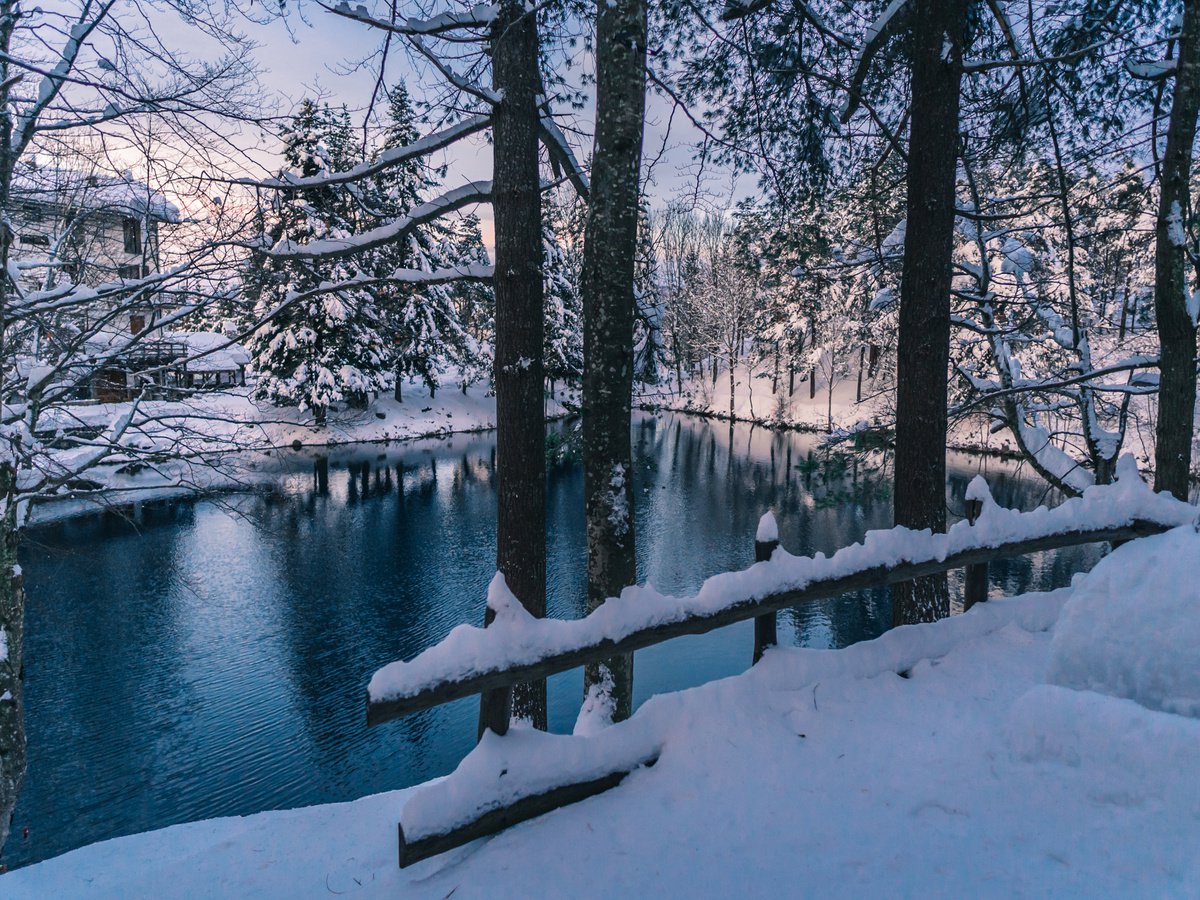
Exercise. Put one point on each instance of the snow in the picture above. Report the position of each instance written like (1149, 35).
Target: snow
(250, 435)
(596, 712)
(818, 772)
(516, 640)
(121, 194)
(466, 195)
(1175, 229)
(386, 159)
(523, 763)
(1152, 70)
(768, 529)
(1130, 631)
(209, 351)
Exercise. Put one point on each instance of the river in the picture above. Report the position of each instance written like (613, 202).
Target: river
(190, 659)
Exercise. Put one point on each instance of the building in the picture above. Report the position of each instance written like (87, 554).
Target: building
(86, 227)
(74, 226)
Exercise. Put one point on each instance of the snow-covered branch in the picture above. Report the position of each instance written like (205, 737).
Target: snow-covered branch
(394, 156)
(52, 84)
(329, 248)
(562, 157)
(891, 22)
(478, 17)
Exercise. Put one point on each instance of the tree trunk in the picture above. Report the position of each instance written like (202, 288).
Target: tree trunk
(610, 251)
(731, 366)
(519, 378)
(829, 398)
(12, 593)
(398, 391)
(1176, 329)
(923, 348)
(1124, 311)
(12, 638)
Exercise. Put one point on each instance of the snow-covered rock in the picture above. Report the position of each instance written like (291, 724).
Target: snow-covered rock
(1132, 629)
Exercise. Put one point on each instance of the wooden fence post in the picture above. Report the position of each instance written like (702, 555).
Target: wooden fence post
(495, 711)
(975, 586)
(495, 706)
(765, 542)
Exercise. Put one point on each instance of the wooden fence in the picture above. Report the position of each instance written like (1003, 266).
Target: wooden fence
(497, 684)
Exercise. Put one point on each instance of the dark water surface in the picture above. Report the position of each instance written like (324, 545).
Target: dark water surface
(209, 658)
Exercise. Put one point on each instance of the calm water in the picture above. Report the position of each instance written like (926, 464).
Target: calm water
(202, 659)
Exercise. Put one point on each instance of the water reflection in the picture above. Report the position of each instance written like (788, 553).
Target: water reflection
(198, 659)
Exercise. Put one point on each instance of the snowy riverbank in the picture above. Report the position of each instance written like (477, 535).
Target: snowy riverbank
(1042, 745)
(852, 405)
(229, 441)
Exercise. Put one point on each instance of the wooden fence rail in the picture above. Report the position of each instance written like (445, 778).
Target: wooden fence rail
(1089, 521)
(764, 609)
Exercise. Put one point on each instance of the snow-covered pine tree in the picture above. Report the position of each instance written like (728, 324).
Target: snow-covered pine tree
(473, 301)
(326, 345)
(424, 333)
(648, 350)
(562, 240)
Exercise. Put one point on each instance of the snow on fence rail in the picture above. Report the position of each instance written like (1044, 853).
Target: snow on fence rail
(517, 647)
(511, 779)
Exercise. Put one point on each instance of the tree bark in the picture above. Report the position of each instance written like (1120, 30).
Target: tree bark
(12, 638)
(1176, 329)
(519, 376)
(12, 594)
(732, 363)
(923, 348)
(609, 306)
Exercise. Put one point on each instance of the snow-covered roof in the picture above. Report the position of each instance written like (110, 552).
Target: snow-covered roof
(205, 351)
(120, 194)
(220, 353)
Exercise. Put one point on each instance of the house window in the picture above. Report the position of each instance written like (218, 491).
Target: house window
(137, 324)
(128, 271)
(133, 235)
(35, 240)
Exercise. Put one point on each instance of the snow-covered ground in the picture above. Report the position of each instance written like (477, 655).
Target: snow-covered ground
(229, 441)
(231, 415)
(757, 398)
(1014, 756)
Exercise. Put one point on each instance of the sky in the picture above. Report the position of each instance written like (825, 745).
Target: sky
(312, 56)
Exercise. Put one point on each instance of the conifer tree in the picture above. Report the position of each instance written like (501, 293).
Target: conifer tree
(325, 346)
(422, 325)
(562, 238)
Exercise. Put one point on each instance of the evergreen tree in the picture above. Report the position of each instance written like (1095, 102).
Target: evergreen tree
(323, 346)
(562, 241)
(474, 303)
(648, 321)
(425, 332)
